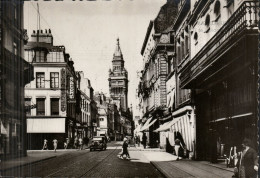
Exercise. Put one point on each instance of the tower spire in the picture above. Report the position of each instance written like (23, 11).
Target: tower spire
(118, 52)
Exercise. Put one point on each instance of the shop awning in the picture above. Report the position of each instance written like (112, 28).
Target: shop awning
(163, 127)
(147, 122)
(182, 110)
(53, 125)
(147, 126)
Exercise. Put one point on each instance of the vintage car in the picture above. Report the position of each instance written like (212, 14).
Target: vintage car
(98, 143)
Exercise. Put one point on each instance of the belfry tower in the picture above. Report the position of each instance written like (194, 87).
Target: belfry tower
(118, 79)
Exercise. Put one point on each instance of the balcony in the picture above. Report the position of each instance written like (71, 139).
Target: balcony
(206, 62)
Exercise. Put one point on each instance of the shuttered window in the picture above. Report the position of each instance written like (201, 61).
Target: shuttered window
(54, 106)
(40, 110)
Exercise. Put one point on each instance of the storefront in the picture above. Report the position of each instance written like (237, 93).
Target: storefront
(45, 128)
(226, 115)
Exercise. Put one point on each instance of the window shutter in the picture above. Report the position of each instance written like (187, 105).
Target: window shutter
(40, 106)
(55, 106)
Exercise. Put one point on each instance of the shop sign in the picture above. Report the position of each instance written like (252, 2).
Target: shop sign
(71, 93)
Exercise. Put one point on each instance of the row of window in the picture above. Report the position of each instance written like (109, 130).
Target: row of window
(40, 80)
(42, 56)
(85, 118)
(85, 105)
(40, 106)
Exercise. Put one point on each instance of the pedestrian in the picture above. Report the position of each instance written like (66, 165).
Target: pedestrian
(247, 165)
(45, 145)
(177, 147)
(144, 139)
(76, 143)
(66, 143)
(55, 144)
(125, 149)
(80, 143)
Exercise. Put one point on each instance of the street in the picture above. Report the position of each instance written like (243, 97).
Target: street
(88, 164)
(83, 163)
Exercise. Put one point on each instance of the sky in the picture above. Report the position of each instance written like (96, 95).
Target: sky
(89, 29)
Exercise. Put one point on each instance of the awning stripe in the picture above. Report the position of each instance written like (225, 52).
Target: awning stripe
(147, 126)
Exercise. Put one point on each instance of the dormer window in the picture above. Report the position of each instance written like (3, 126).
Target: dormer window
(39, 56)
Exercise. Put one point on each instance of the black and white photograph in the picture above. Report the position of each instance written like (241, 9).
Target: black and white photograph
(129, 88)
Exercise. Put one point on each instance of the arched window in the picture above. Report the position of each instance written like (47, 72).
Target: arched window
(217, 7)
(207, 20)
(196, 36)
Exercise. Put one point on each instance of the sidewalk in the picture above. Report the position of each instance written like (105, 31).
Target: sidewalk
(166, 163)
(33, 156)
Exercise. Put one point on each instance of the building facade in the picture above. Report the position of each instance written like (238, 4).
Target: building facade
(222, 72)
(15, 73)
(158, 48)
(53, 91)
(88, 105)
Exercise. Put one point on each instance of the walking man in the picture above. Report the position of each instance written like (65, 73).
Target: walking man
(125, 149)
(55, 144)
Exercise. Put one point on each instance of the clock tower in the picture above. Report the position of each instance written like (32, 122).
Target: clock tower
(118, 79)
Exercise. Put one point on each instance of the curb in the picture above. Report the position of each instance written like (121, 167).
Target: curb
(218, 167)
(160, 170)
(25, 164)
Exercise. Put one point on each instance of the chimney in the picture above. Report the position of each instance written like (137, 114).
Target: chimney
(45, 30)
(50, 31)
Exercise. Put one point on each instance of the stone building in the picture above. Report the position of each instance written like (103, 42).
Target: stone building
(157, 49)
(88, 105)
(53, 91)
(180, 114)
(222, 72)
(15, 72)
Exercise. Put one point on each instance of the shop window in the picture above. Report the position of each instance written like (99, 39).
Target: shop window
(40, 109)
(40, 79)
(54, 79)
(54, 106)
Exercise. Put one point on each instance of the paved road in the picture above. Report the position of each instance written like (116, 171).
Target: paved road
(83, 163)
(89, 164)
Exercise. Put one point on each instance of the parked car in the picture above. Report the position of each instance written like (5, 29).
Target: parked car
(98, 143)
